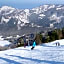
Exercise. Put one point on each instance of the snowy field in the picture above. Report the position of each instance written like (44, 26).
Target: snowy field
(44, 54)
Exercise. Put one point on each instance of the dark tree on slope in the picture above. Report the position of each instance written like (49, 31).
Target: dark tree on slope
(53, 35)
(20, 42)
(38, 38)
(59, 33)
(47, 39)
(62, 32)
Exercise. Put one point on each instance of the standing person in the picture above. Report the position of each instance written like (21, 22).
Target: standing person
(57, 44)
(33, 46)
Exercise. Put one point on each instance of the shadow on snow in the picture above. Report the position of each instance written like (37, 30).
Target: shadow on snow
(31, 59)
(10, 61)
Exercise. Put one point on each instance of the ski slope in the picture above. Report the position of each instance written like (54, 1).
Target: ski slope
(47, 53)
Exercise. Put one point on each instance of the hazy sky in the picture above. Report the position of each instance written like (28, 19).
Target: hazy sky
(28, 3)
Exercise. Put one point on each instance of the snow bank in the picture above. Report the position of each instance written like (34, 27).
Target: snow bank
(4, 42)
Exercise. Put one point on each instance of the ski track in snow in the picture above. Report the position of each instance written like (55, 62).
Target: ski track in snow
(40, 55)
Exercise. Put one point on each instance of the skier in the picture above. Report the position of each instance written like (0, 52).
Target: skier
(33, 46)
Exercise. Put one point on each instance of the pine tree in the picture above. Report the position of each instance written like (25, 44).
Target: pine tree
(62, 32)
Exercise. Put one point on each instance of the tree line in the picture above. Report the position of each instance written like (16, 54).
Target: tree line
(56, 34)
(50, 36)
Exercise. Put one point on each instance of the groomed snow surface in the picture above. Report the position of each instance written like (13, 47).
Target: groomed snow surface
(47, 53)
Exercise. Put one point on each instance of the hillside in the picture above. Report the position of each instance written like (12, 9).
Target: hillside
(47, 53)
(21, 21)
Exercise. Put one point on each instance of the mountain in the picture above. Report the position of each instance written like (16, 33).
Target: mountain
(23, 21)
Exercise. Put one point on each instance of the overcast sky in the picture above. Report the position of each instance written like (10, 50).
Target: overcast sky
(28, 3)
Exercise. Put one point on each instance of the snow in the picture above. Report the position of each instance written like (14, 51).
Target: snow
(18, 36)
(25, 20)
(27, 12)
(22, 18)
(11, 11)
(42, 15)
(4, 42)
(6, 20)
(39, 26)
(51, 25)
(58, 8)
(10, 37)
(22, 24)
(36, 10)
(40, 9)
(60, 41)
(53, 43)
(54, 17)
(45, 7)
(19, 22)
(1, 38)
(52, 6)
(6, 8)
(42, 54)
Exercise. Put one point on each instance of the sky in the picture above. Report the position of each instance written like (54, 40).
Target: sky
(22, 4)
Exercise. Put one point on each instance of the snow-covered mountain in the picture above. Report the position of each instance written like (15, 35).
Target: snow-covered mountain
(16, 21)
(47, 53)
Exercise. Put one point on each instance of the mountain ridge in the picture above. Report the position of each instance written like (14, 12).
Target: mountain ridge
(42, 17)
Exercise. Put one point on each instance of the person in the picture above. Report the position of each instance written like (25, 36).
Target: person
(33, 46)
(57, 44)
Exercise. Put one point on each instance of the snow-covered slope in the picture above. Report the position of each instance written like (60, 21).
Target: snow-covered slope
(4, 43)
(53, 43)
(43, 54)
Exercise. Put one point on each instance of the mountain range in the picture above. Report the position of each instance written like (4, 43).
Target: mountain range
(23, 21)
